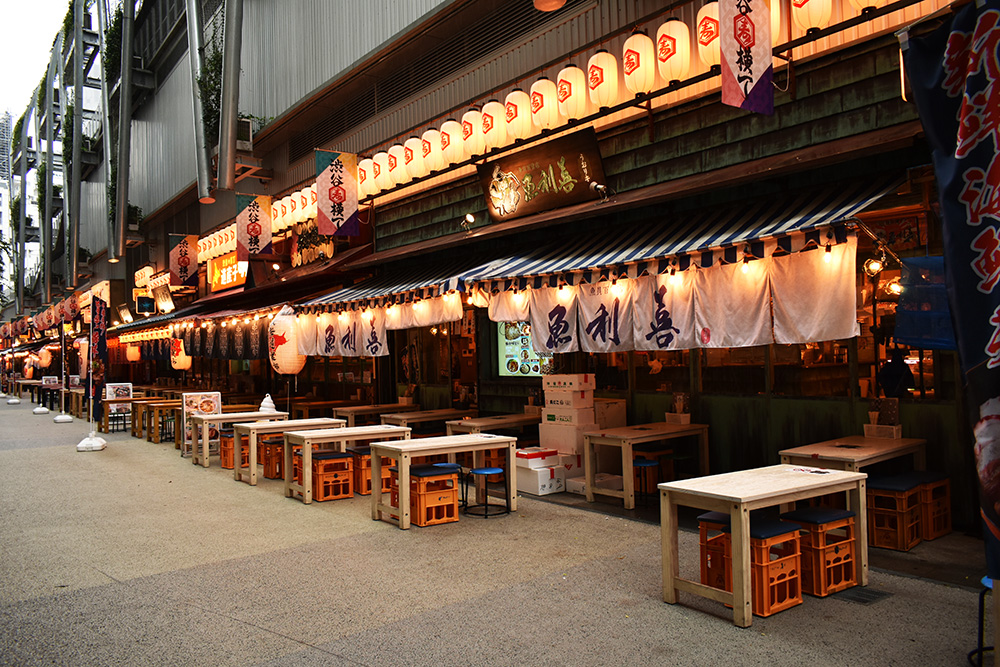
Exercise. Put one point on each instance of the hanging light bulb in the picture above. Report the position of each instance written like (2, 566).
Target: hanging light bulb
(472, 132)
(639, 63)
(452, 144)
(517, 109)
(430, 145)
(397, 165)
(544, 104)
(873, 266)
(494, 124)
(413, 157)
(707, 30)
(602, 79)
(571, 92)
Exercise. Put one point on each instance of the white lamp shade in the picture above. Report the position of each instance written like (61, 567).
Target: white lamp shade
(286, 208)
(303, 196)
(517, 109)
(859, 5)
(231, 238)
(293, 210)
(602, 79)
(275, 216)
(179, 359)
(313, 210)
(430, 144)
(132, 353)
(413, 157)
(707, 29)
(544, 104)
(472, 132)
(366, 177)
(282, 344)
(44, 357)
(809, 14)
(452, 144)
(382, 178)
(639, 63)
(494, 124)
(397, 165)
(571, 92)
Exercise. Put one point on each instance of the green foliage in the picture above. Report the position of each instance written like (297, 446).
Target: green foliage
(69, 19)
(210, 90)
(112, 57)
(15, 137)
(40, 186)
(67, 139)
(40, 97)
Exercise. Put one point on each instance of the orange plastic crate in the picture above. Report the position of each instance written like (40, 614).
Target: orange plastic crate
(333, 486)
(829, 551)
(271, 453)
(226, 443)
(935, 509)
(363, 473)
(433, 508)
(775, 573)
(894, 518)
(714, 545)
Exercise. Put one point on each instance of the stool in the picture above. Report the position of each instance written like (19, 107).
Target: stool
(433, 494)
(935, 502)
(894, 512)
(457, 470)
(643, 472)
(828, 549)
(271, 454)
(976, 655)
(227, 446)
(775, 565)
(332, 475)
(713, 550)
(363, 471)
(485, 472)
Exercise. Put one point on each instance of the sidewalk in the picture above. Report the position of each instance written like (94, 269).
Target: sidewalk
(133, 556)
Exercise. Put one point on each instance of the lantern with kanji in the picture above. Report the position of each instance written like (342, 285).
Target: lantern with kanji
(366, 177)
(707, 30)
(494, 124)
(544, 104)
(571, 92)
(397, 165)
(673, 50)
(179, 360)
(282, 344)
(452, 144)
(413, 157)
(430, 145)
(517, 110)
(638, 63)
(602, 79)
(812, 14)
(44, 357)
(472, 132)
(132, 353)
(382, 178)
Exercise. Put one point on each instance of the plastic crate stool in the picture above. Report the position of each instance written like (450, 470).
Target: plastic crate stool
(363, 471)
(271, 454)
(227, 444)
(894, 512)
(483, 509)
(433, 494)
(332, 475)
(775, 565)
(829, 549)
(714, 546)
(645, 476)
(935, 502)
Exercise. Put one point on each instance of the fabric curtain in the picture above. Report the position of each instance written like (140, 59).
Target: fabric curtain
(732, 306)
(553, 313)
(605, 316)
(664, 313)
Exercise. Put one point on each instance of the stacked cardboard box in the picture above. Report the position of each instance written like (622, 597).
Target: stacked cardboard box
(568, 412)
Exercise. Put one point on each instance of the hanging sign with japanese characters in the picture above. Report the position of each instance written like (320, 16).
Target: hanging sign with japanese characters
(327, 335)
(745, 40)
(337, 191)
(555, 174)
(664, 313)
(253, 226)
(554, 319)
(183, 259)
(373, 333)
(226, 272)
(604, 317)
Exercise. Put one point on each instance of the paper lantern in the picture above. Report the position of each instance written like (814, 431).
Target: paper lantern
(293, 210)
(602, 79)
(366, 177)
(430, 144)
(44, 357)
(283, 222)
(303, 196)
(413, 157)
(517, 108)
(812, 14)
(282, 345)
(275, 220)
(397, 165)
(312, 210)
(452, 145)
(132, 353)
(639, 63)
(709, 49)
(544, 104)
(472, 132)
(382, 178)
(179, 359)
(494, 124)
(571, 92)
(231, 238)
(860, 5)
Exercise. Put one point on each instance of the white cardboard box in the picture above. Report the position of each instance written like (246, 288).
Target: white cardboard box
(569, 399)
(609, 412)
(566, 438)
(541, 481)
(569, 416)
(577, 382)
(572, 464)
(536, 457)
(602, 480)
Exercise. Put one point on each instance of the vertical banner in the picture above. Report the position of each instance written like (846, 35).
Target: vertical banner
(183, 259)
(374, 342)
(337, 190)
(348, 344)
(605, 316)
(955, 79)
(553, 319)
(327, 335)
(99, 354)
(663, 318)
(732, 305)
(745, 40)
(253, 226)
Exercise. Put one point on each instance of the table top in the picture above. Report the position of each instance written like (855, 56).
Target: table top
(323, 403)
(855, 448)
(287, 425)
(352, 432)
(446, 442)
(648, 430)
(745, 486)
(514, 419)
(123, 399)
(430, 415)
(235, 416)
(385, 408)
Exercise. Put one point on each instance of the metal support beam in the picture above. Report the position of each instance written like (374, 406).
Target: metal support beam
(196, 49)
(45, 208)
(124, 134)
(102, 23)
(72, 235)
(24, 204)
(229, 107)
(45, 225)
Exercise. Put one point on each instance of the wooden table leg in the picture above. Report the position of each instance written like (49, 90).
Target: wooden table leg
(307, 473)
(703, 445)
(286, 468)
(668, 546)
(628, 477)
(588, 468)
(858, 498)
(104, 419)
(404, 491)
(742, 592)
(376, 465)
(512, 472)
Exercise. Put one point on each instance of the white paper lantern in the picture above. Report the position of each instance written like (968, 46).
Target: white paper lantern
(313, 208)
(286, 209)
(413, 157)
(382, 178)
(303, 196)
(275, 216)
(472, 132)
(293, 210)
(397, 165)
(84, 356)
(494, 124)
(639, 63)
(707, 30)
(231, 238)
(132, 353)
(517, 109)
(673, 50)
(571, 92)
(366, 177)
(179, 360)
(544, 104)
(44, 357)
(452, 145)
(859, 5)
(430, 146)
(282, 344)
(810, 14)
(602, 79)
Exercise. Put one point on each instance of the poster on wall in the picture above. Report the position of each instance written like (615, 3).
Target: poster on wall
(515, 355)
(200, 403)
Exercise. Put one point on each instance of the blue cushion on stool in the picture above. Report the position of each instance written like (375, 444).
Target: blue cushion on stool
(893, 483)
(817, 515)
(645, 463)
(326, 456)
(448, 467)
(363, 451)
(427, 470)
(714, 517)
(762, 529)
(487, 471)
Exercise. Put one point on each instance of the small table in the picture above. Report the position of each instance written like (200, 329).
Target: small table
(108, 402)
(403, 451)
(627, 436)
(339, 438)
(486, 424)
(139, 414)
(254, 429)
(426, 416)
(351, 413)
(855, 452)
(29, 385)
(737, 494)
(76, 396)
(302, 409)
(220, 418)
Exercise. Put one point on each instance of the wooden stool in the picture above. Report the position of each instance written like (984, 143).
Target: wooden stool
(645, 475)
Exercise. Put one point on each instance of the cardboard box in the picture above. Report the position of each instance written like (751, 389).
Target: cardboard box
(569, 399)
(533, 410)
(572, 464)
(602, 480)
(541, 481)
(569, 416)
(566, 438)
(578, 382)
(609, 412)
(677, 417)
(536, 457)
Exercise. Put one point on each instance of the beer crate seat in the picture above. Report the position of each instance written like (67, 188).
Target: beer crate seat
(271, 453)
(894, 512)
(433, 494)
(935, 503)
(775, 565)
(829, 549)
(363, 471)
(227, 445)
(332, 474)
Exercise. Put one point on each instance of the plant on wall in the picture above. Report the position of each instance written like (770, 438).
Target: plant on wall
(112, 57)
(210, 89)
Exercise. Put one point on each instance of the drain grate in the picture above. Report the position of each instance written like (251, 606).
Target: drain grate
(861, 595)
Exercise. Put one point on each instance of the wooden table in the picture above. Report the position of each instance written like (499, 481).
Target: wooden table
(220, 418)
(76, 396)
(303, 408)
(487, 424)
(29, 385)
(737, 494)
(351, 413)
(855, 452)
(255, 429)
(628, 436)
(337, 439)
(426, 416)
(118, 400)
(156, 410)
(403, 451)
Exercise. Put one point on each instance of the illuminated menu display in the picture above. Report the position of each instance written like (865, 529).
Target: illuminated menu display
(515, 356)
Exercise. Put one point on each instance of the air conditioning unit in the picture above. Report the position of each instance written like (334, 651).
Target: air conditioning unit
(244, 135)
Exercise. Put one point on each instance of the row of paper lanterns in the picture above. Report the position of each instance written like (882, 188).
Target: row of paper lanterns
(144, 335)
(293, 209)
(217, 244)
(573, 95)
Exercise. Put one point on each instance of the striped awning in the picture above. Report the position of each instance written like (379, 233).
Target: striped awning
(650, 247)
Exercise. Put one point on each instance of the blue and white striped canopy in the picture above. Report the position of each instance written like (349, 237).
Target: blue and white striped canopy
(424, 281)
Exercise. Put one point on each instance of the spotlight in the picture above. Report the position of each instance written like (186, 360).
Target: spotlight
(601, 190)
(873, 266)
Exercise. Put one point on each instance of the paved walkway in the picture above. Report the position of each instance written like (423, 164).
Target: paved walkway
(133, 556)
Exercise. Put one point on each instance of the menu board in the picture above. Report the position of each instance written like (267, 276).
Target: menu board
(515, 355)
(119, 390)
(200, 403)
